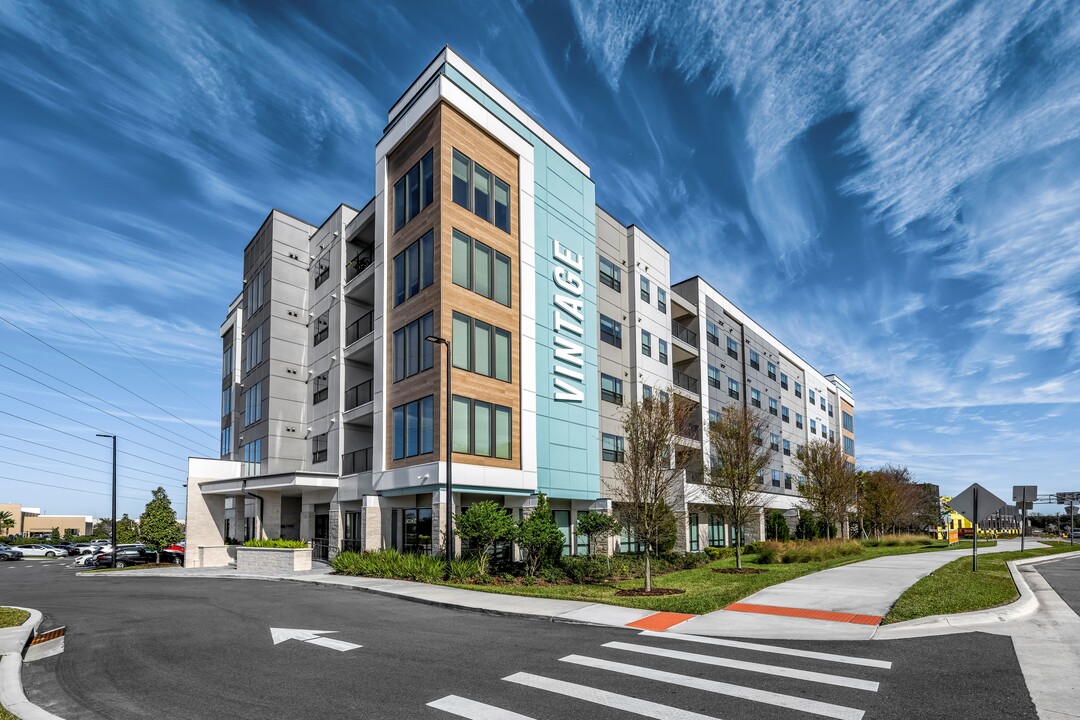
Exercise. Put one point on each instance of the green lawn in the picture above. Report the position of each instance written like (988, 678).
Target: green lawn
(10, 617)
(705, 590)
(5, 715)
(953, 588)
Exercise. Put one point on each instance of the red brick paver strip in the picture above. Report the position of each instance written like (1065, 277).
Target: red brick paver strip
(804, 613)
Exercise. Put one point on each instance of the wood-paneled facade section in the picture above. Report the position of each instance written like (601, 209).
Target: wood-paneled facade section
(444, 129)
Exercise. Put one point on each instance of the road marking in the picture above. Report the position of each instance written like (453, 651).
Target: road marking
(463, 707)
(777, 670)
(607, 699)
(839, 712)
(775, 649)
(660, 621)
(826, 615)
(280, 635)
(339, 645)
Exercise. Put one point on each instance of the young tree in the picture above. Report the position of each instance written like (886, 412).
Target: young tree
(738, 455)
(539, 536)
(157, 525)
(54, 534)
(776, 527)
(102, 528)
(127, 531)
(598, 527)
(830, 487)
(483, 525)
(651, 469)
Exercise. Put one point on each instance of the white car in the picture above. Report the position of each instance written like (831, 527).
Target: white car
(84, 560)
(41, 551)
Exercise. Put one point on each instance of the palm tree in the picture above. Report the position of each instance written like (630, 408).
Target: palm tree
(6, 521)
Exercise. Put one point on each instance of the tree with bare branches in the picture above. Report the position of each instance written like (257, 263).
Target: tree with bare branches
(830, 488)
(648, 476)
(737, 455)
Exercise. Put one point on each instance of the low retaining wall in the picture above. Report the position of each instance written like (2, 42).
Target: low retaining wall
(272, 560)
(214, 556)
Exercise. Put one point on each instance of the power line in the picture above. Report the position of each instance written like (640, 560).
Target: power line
(61, 487)
(88, 457)
(104, 377)
(91, 406)
(79, 437)
(73, 477)
(102, 335)
(174, 484)
(84, 424)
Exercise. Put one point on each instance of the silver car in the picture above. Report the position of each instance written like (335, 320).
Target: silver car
(41, 551)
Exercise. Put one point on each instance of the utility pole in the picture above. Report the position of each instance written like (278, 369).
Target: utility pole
(113, 537)
(449, 452)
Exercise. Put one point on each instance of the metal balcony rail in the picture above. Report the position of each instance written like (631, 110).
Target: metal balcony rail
(691, 431)
(357, 461)
(358, 263)
(684, 381)
(360, 328)
(357, 395)
(684, 333)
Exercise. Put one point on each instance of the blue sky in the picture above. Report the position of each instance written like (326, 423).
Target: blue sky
(892, 190)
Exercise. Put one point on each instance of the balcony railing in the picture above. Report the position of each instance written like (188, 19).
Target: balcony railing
(684, 381)
(358, 395)
(691, 431)
(358, 263)
(357, 461)
(684, 333)
(359, 328)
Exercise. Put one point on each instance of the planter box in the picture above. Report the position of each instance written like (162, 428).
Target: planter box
(272, 560)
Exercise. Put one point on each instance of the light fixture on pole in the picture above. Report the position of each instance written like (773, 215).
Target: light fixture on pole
(449, 453)
(113, 537)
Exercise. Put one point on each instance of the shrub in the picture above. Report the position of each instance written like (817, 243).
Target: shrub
(276, 543)
(900, 540)
(719, 553)
(465, 570)
(587, 569)
(776, 527)
(481, 526)
(390, 564)
(773, 552)
(552, 574)
(539, 537)
(597, 527)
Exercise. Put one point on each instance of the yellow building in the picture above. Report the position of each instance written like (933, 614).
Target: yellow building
(31, 521)
(998, 526)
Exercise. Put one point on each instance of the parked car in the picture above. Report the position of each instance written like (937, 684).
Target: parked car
(84, 560)
(173, 554)
(10, 553)
(83, 549)
(124, 556)
(41, 551)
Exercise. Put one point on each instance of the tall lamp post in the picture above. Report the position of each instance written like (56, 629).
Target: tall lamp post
(113, 495)
(449, 452)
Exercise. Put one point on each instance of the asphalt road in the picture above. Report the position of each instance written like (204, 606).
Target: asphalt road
(202, 648)
(1064, 577)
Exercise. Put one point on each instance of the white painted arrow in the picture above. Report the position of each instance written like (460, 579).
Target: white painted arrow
(280, 635)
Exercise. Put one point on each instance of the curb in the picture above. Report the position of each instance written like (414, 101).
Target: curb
(1027, 604)
(12, 697)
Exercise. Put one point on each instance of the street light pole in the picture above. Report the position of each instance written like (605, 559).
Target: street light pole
(113, 538)
(449, 452)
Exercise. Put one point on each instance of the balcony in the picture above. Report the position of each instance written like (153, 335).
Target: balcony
(357, 461)
(684, 381)
(358, 263)
(358, 395)
(360, 328)
(681, 332)
(690, 431)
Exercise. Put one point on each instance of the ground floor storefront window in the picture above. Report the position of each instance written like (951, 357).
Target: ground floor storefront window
(350, 541)
(716, 532)
(695, 540)
(416, 536)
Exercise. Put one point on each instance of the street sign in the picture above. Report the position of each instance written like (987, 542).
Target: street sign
(1025, 493)
(1065, 497)
(1025, 506)
(976, 495)
(312, 637)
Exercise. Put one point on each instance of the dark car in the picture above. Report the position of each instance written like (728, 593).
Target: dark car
(10, 553)
(125, 556)
(173, 554)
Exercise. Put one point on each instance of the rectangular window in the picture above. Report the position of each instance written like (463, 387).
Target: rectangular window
(776, 478)
(774, 441)
(733, 388)
(318, 448)
(253, 404)
(481, 269)
(714, 378)
(612, 448)
(413, 177)
(320, 388)
(787, 447)
(822, 398)
(712, 332)
(562, 520)
(414, 268)
(798, 389)
(755, 360)
(663, 351)
(461, 180)
(848, 421)
(502, 205)
(253, 346)
(646, 343)
(477, 189)
(646, 392)
(481, 428)
(610, 331)
(830, 410)
(849, 445)
(414, 430)
(645, 295)
(661, 300)
(733, 348)
(787, 481)
(611, 389)
(226, 441)
(252, 453)
(416, 530)
(772, 406)
(481, 192)
(772, 371)
(322, 327)
(784, 413)
(783, 381)
(322, 270)
(481, 348)
(227, 361)
(412, 352)
(414, 191)
(813, 426)
(755, 397)
(813, 400)
(610, 274)
(798, 420)
(832, 436)
(427, 179)
(716, 532)
(695, 539)
(226, 401)
(714, 416)
(255, 294)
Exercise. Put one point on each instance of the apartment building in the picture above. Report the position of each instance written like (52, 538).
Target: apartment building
(483, 232)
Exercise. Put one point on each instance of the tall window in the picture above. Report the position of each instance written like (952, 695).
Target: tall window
(320, 388)
(414, 428)
(733, 348)
(253, 403)
(414, 191)
(318, 448)
(414, 268)
(610, 274)
(255, 294)
(787, 447)
(776, 478)
(481, 347)
(663, 351)
(772, 406)
(481, 428)
(610, 331)
(848, 421)
(473, 189)
(755, 397)
(322, 327)
(695, 539)
(813, 400)
(227, 361)
(716, 532)
(772, 371)
(714, 377)
(226, 441)
(416, 530)
(322, 270)
(755, 360)
(661, 300)
(774, 441)
(733, 388)
(612, 447)
(646, 343)
(784, 414)
(253, 345)
(412, 353)
(645, 295)
(849, 445)
(798, 389)
(830, 409)
(813, 426)
(712, 332)
(481, 269)
(252, 454)
(783, 381)
(611, 389)
(798, 420)
(226, 401)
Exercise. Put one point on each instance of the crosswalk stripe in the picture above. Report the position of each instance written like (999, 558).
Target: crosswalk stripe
(776, 650)
(839, 712)
(778, 670)
(466, 708)
(605, 698)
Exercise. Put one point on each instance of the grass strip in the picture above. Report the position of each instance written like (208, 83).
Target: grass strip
(12, 617)
(954, 588)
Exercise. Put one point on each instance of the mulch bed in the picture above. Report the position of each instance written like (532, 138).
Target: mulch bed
(641, 592)
(738, 571)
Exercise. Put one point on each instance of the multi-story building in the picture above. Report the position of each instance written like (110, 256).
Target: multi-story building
(483, 233)
(31, 522)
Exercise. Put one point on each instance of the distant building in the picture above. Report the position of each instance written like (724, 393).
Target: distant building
(30, 522)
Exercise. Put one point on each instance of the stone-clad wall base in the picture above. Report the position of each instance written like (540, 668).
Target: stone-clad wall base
(272, 560)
